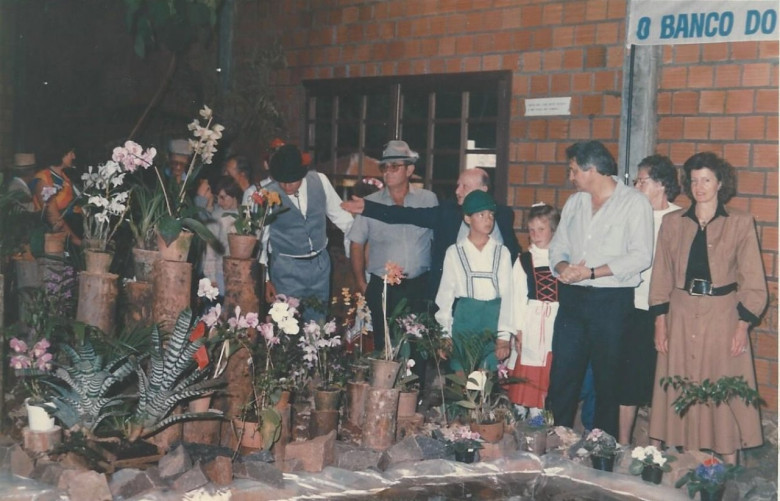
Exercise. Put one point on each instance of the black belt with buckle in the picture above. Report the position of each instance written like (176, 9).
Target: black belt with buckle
(701, 287)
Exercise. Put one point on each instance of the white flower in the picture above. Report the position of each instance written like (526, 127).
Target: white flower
(638, 453)
(206, 112)
(409, 364)
(279, 311)
(205, 289)
(212, 316)
(476, 381)
(290, 327)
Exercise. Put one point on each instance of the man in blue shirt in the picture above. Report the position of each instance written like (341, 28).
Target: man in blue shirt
(602, 244)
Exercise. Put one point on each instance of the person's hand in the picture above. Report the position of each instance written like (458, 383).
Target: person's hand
(575, 273)
(354, 206)
(362, 285)
(270, 292)
(661, 340)
(739, 343)
(519, 342)
(444, 352)
(502, 349)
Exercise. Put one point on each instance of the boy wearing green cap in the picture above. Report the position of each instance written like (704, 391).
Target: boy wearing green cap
(474, 296)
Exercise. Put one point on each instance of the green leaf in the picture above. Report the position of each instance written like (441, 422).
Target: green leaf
(169, 228)
(636, 467)
(140, 45)
(466, 404)
(203, 232)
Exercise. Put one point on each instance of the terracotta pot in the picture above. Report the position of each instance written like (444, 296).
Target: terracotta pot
(360, 372)
(37, 417)
(603, 463)
(143, 263)
(407, 403)
(98, 261)
(284, 400)
(241, 246)
(249, 433)
(652, 474)
(383, 373)
(326, 400)
(490, 432)
(179, 248)
(54, 243)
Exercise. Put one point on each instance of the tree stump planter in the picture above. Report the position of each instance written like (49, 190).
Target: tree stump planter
(240, 284)
(98, 261)
(407, 403)
(356, 403)
(172, 286)
(143, 264)
(97, 300)
(327, 400)
(380, 419)
(138, 304)
(323, 422)
(384, 373)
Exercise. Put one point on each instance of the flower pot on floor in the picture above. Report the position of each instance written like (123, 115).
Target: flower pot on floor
(37, 417)
(143, 263)
(490, 432)
(98, 261)
(407, 403)
(241, 246)
(652, 474)
(383, 373)
(603, 463)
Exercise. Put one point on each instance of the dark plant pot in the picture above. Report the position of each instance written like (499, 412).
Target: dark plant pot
(712, 496)
(467, 456)
(326, 400)
(603, 463)
(652, 474)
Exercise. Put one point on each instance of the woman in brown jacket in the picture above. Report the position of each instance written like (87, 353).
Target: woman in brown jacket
(707, 288)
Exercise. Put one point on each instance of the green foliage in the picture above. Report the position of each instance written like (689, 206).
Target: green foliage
(706, 392)
(147, 209)
(709, 476)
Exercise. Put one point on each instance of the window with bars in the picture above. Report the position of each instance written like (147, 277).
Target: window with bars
(454, 121)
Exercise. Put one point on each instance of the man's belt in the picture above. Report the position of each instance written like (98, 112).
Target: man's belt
(701, 287)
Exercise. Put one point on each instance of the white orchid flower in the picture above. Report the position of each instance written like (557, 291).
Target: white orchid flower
(476, 381)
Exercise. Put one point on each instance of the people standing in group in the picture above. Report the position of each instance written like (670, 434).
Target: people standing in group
(475, 294)
(239, 169)
(708, 287)
(220, 223)
(54, 192)
(295, 245)
(658, 179)
(446, 221)
(406, 245)
(603, 242)
(535, 306)
(179, 158)
(23, 172)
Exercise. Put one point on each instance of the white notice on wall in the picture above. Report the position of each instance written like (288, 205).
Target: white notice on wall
(548, 106)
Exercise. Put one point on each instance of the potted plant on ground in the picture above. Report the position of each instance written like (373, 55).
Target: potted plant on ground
(650, 462)
(535, 430)
(410, 389)
(30, 364)
(708, 479)
(602, 448)
(461, 441)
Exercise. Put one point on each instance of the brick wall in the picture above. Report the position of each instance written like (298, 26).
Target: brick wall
(720, 96)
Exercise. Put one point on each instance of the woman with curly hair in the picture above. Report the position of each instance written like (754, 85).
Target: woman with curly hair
(707, 288)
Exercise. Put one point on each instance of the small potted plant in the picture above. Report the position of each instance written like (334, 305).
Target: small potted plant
(650, 462)
(602, 448)
(250, 220)
(462, 442)
(535, 430)
(708, 479)
(408, 383)
(32, 363)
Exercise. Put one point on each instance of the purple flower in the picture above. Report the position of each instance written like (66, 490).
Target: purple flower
(18, 345)
(40, 348)
(20, 362)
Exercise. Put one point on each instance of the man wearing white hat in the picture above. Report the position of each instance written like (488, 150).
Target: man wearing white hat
(404, 244)
(179, 157)
(23, 171)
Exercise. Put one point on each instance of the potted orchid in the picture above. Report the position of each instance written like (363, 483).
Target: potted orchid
(31, 364)
(250, 221)
(461, 441)
(650, 462)
(602, 448)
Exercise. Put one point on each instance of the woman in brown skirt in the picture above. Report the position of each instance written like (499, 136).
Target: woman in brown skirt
(707, 289)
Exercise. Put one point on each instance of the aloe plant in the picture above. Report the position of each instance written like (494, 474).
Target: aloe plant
(171, 376)
(82, 391)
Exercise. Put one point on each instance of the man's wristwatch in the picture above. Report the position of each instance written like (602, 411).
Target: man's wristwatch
(592, 274)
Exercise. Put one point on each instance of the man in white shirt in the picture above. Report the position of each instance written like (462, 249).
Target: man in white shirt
(296, 251)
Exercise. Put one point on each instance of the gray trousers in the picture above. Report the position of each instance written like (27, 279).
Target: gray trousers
(303, 278)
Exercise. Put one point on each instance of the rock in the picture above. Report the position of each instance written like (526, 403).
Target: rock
(354, 458)
(504, 447)
(405, 450)
(129, 482)
(219, 470)
(49, 472)
(41, 441)
(21, 463)
(86, 485)
(191, 479)
(431, 448)
(5, 455)
(154, 476)
(260, 471)
(315, 454)
(290, 465)
(175, 462)
(261, 455)
(73, 461)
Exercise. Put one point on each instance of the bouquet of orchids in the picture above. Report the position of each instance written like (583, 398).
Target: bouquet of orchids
(31, 363)
(321, 347)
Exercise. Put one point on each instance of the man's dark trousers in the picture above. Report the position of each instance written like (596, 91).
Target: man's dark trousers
(589, 326)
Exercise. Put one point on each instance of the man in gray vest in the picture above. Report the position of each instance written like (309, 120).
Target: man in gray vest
(299, 264)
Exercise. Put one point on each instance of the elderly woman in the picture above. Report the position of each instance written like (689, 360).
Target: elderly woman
(707, 288)
(658, 179)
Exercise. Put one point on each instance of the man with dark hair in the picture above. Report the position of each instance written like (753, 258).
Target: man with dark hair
(603, 242)
(299, 264)
(239, 168)
(446, 221)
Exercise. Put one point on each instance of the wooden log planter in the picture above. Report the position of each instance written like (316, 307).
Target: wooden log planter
(380, 420)
(356, 403)
(240, 285)
(138, 304)
(172, 286)
(97, 300)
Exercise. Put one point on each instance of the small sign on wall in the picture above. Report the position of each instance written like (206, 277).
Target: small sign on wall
(546, 106)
